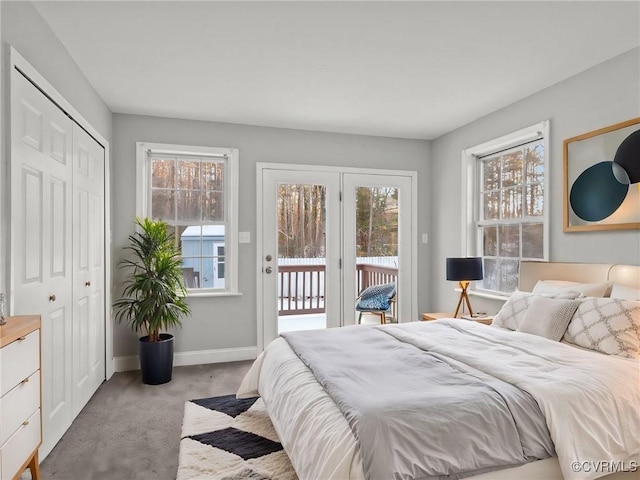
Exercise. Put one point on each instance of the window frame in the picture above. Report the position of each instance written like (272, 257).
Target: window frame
(231, 192)
(471, 239)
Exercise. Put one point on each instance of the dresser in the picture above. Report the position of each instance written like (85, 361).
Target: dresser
(20, 398)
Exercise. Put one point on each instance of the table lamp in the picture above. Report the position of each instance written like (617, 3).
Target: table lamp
(463, 270)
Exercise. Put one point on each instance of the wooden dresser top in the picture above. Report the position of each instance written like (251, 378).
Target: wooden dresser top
(17, 327)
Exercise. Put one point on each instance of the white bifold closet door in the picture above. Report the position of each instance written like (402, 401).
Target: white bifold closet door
(57, 250)
(88, 267)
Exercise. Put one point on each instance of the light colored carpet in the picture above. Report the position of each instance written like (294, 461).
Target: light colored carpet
(226, 438)
(131, 431)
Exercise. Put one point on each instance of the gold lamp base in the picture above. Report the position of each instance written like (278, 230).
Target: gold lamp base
(463, 296)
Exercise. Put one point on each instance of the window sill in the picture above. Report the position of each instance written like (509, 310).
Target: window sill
(211, 293)
(485, 294)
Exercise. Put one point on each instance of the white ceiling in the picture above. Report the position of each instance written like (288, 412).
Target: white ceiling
(398, 69)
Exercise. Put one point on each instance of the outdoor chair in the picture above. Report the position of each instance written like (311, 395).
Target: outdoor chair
(376, 300)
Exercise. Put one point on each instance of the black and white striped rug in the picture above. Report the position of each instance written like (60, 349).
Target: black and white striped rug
(226, 438)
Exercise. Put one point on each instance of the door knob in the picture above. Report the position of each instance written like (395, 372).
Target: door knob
(268, 270)
(52, 298)
(87, 284)
(268, 258)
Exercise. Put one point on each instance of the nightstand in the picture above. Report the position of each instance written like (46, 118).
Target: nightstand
(486, 319)
(435, 316)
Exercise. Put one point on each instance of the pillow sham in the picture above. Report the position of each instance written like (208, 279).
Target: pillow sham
(560, 283)
(548, 317)
(513, 310)
(600, 289)
(607, 325)
(625, 293)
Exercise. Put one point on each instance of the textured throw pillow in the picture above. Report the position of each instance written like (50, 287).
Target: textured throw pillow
(625, 293)
(512, 312)
(548, 317)
(607, 325)
(601, 289)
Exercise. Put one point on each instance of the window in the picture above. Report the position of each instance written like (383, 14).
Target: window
(506, 218)
(194, 190)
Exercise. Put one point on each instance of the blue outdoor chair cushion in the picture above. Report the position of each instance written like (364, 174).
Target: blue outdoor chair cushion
(376, 297)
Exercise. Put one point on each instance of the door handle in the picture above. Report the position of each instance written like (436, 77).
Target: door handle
(268, 270)
(87, 284)
(52, 298)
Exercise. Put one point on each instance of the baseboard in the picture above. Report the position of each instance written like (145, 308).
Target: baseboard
(197, 357)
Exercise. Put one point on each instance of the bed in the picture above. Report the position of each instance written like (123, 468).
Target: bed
(484, 421)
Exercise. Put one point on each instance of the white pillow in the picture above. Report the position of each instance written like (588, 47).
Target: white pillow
(514, 309)
(624, 293)
(548, 317)
(607, 325)
(601, 289)
(560, 283)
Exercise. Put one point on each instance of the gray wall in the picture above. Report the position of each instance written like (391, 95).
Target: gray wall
(229, 322)
(600, 96)
(24, 29)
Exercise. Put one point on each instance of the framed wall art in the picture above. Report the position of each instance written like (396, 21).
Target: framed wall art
(602, 179)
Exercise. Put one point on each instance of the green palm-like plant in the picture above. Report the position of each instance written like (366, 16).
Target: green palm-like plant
(154, 293)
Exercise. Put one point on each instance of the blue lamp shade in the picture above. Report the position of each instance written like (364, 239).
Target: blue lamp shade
(464, 269)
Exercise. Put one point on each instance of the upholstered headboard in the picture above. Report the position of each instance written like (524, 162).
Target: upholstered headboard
(531, 272)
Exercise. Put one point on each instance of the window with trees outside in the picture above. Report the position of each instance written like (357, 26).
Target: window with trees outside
(192, 190)
(509, 206)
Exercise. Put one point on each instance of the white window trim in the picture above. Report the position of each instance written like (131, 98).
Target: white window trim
(469, 181)
(231, 234)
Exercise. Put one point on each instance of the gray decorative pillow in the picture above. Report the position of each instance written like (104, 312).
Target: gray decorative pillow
(548, 317)
(607, 325)
(512, 312)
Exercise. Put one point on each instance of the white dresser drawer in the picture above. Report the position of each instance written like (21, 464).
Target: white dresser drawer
(18, 405)
(19, 360)
(19, 446)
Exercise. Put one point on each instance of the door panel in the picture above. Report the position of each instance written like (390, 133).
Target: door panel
(41, 241)
(88, 267)
(59, 237)
(297, 290)
(378, 239)
(59, 367)
(33, 224)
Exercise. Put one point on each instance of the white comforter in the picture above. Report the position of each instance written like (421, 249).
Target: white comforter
(591, 401)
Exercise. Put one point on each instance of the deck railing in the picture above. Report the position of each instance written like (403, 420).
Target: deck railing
(301, 287)
(367, 275)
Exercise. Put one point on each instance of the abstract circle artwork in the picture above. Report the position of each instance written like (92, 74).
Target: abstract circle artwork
(599, 191)
(601, 188)
(628, 156)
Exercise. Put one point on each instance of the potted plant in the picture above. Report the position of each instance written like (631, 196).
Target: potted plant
(154, 296)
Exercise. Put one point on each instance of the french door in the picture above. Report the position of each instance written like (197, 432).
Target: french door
(378, 240)
(324, 234)
(301, 224)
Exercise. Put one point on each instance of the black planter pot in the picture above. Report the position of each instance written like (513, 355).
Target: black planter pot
(156, 359)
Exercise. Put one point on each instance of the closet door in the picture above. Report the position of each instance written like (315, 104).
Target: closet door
(41, 248)
(88, 267)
